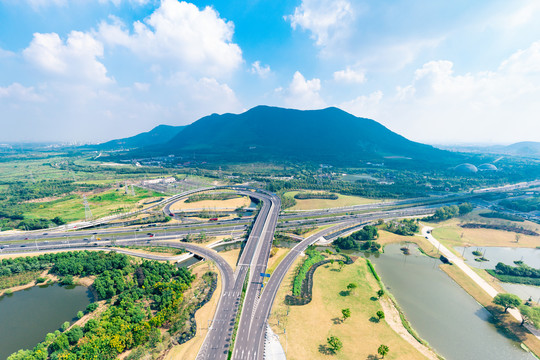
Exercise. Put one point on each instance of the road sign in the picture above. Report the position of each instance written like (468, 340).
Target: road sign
(265, 275)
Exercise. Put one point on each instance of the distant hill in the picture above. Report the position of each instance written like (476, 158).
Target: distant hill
(158, 135)
(529, 149)
(525, 148)
(270, 133)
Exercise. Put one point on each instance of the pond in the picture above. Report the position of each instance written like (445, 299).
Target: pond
(28, 315)
(442, 313)
(506, 255)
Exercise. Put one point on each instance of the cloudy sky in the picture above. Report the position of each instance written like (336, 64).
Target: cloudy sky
(435, 71)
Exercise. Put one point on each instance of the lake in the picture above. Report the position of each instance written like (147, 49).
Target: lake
(28, 315)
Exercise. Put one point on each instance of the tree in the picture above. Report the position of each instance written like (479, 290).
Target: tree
(380, 314)
(380, 293)
(507, 301)
(74, 334)
(65, 326)
(334, 343)
(92, 307)
(351, 287)
(346, 313)
(383, 350)
(518, 236)
(80, 314)
(341, 264)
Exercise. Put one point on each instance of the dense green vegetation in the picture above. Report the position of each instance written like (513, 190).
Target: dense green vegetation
(67, 207)
(524, 205)
(406, 227)
(313, 256)
(145, 297)
(501, 215)
(359, 240)
(14, 197)
(448, 212)
(216, 196)
(306, 196)
(521, 274)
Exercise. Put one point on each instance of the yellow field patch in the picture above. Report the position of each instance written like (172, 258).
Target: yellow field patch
(343, 200)
(212, 205)
(231, 257)
(308, 326)
(452, 234)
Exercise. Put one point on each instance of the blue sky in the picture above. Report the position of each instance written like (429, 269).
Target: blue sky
(436, 72)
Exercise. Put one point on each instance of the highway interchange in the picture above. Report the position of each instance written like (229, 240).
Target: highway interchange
(257, 302)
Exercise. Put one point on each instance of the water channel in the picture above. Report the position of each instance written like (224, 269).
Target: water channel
(442, 313)
(27, 316)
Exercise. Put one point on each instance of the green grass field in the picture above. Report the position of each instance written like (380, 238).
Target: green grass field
(343, 200)
(70, 208)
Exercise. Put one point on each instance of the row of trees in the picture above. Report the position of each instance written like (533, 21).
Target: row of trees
(521, 270)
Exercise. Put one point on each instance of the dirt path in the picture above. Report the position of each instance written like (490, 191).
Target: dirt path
(391, 315)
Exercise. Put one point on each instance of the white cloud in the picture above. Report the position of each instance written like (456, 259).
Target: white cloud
(523, 61)
(440, 105)
(180, 35)
(515, 14)
(74, 59)
(364, 106)
(325, 19)
(350, 76)
(19, 92)
(395, 56)
(6, 53)
(304, 94)
(262, 70)
(141, 86)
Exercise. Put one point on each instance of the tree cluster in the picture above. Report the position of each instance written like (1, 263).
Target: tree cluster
(360, 240)
(448, 212)
(147, 298)
(405, 227)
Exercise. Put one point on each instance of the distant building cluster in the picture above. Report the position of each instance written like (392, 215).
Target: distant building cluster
(467, 168)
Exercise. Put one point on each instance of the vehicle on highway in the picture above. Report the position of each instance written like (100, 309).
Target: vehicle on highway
(45, 233)
(213, 219)
(151, 235)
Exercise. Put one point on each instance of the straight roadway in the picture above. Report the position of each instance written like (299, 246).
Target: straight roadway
(258, 324)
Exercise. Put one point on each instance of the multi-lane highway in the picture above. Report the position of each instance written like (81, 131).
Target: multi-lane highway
(257, 302)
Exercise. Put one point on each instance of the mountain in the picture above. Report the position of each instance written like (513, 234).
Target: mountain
(270, 133)
(159, 134)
